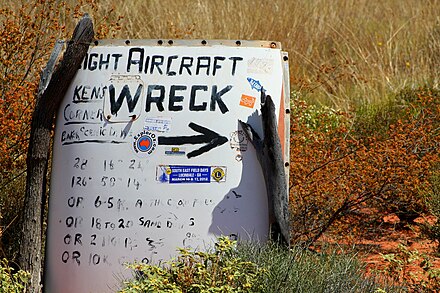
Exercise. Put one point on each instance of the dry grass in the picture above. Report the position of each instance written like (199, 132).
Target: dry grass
(342, 53)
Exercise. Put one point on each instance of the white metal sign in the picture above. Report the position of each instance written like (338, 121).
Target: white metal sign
(149, 156)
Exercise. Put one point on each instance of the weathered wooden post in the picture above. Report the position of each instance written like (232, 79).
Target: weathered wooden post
(48, 100)
(270, 157)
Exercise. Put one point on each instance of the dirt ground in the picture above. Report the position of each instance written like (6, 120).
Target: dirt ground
(408, 235)
(371, 248)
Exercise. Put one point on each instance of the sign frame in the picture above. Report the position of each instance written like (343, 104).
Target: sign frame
(81, 191)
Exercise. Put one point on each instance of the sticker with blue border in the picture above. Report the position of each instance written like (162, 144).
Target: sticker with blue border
(158, 124)
(144, 142)
(174, 174)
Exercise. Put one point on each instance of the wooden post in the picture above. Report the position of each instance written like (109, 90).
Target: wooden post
(48, 101)
(270, 157)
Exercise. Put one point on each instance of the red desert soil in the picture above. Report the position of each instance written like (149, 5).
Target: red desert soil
(408, 236)
(392, 234)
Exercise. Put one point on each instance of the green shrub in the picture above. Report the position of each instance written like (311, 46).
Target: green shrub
(250, 267)
(11, 282)
(218, 271)
(408, 105)
(302, 270)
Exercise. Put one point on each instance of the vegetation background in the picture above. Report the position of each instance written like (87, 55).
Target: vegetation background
(365, 101)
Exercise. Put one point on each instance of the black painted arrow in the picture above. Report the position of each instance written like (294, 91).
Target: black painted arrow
(211, 138)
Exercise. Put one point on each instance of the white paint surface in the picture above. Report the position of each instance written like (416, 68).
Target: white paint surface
(110, 204)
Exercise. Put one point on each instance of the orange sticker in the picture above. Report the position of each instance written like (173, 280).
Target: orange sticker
(247, 101)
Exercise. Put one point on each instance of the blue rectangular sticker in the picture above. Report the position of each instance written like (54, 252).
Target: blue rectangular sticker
(183, 174)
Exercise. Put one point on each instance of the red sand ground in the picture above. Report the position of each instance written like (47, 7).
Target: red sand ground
(408, 236)
(394, 233)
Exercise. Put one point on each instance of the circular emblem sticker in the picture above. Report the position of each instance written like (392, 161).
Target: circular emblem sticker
(144, 142)
(218, 174)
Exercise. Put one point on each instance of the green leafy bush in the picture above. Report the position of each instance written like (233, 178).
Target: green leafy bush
(11, 282)
(218, 271)
(251, 267)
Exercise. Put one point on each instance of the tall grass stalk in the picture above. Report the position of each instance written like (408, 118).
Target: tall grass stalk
(301, 270)
(342, 53)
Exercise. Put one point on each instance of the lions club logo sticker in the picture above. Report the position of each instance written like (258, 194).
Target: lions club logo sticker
(144, 142)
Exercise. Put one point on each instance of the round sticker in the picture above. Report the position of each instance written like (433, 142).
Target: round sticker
(145, 142)
(218, 174)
